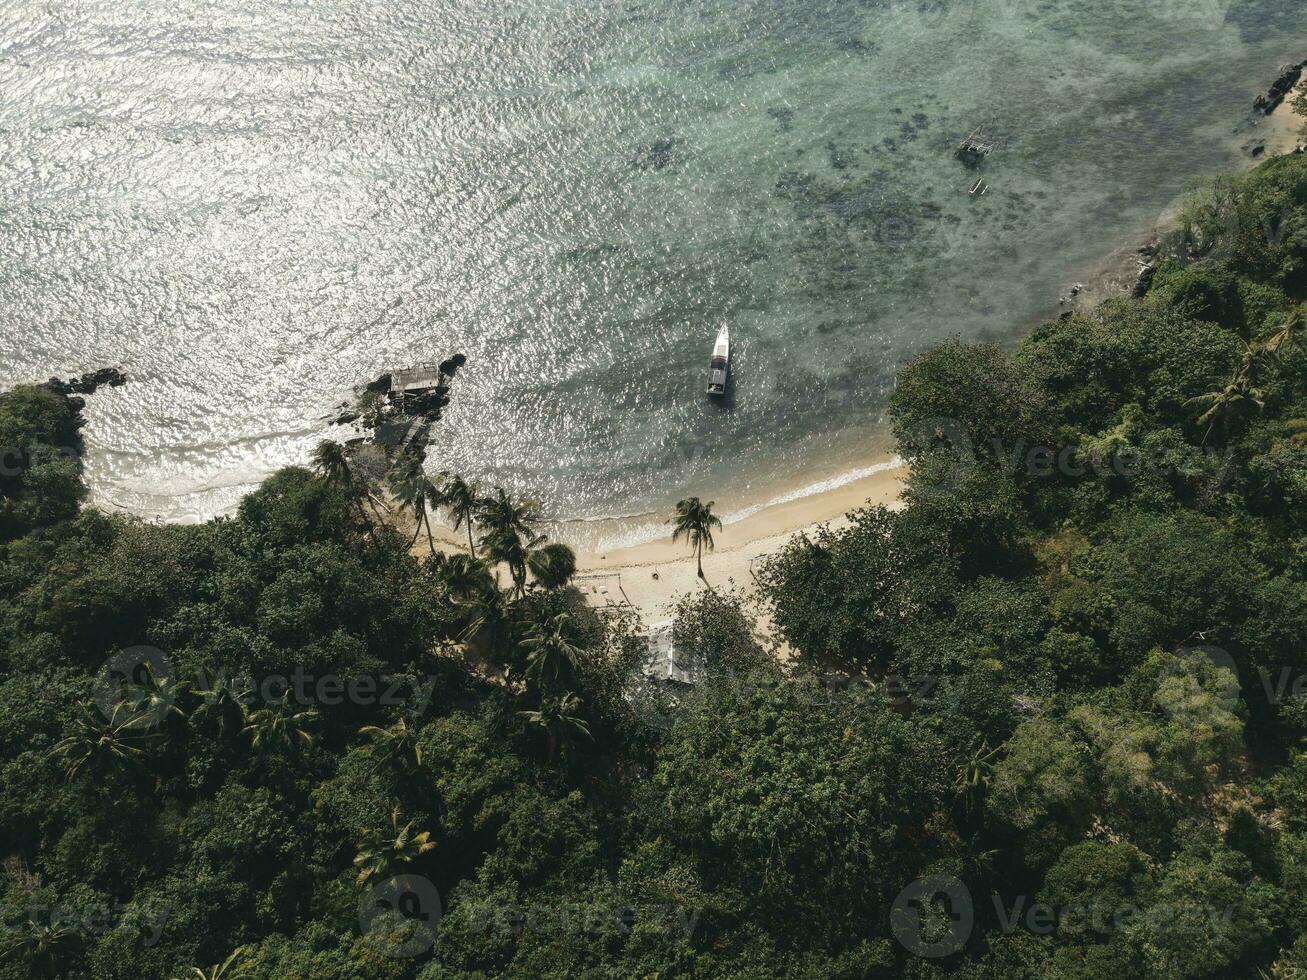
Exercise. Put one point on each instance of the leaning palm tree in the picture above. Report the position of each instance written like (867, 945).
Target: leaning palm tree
(560, 720)
(462, 502)
(408, 483)
(278, 724)
(695, 520)
(505, 545)
(509, 534)
(228, 969)
(1239, 396)
(387, 848)
(331, 462)
(498, 512)
(549, 653)
(121, 737)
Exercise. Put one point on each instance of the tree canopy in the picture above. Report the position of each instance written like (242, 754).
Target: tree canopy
(1044, 720)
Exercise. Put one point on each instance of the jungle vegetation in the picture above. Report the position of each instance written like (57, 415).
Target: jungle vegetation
(1062, 690)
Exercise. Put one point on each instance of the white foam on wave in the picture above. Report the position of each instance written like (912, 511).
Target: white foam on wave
(812, 489)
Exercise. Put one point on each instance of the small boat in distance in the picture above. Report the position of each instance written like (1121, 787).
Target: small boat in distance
(721, 361)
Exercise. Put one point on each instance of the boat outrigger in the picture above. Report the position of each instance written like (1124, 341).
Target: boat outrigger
(720, 364)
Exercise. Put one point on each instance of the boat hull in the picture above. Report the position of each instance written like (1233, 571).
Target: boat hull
(720, 366)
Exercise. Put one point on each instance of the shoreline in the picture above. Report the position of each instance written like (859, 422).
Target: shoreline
(780, 518)
(651, 575)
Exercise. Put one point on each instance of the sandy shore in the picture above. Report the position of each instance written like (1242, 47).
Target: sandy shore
(652, 576)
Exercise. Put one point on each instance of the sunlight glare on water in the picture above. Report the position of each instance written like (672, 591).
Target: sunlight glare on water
(253, 207)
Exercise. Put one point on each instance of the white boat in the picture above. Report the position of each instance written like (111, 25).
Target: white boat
(721, 362)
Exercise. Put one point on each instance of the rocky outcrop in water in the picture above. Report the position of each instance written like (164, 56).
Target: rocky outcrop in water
(1289, 77)
(402, 419)
(88, 383)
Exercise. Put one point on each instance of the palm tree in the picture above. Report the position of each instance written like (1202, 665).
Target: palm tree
(695, 520)
(973, 779)
(466, 577)
(462, 503)
(155, 698)
(225, 702)
(498, 511)
(549, 652)
(410, 486)
(43, 942)
(489, 620)
(122, 737)
(509, 534)
(504, 544)
(1297, 429)
(552, 566)
(331, 462)
(278, 723)
(226, 970)
(383, 850)
(559, 719)
(1239, 395)
(398, 741)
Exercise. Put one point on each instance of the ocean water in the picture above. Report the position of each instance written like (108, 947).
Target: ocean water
(254, 206)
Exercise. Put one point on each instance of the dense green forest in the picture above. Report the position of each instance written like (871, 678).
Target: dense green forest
(1045, 721)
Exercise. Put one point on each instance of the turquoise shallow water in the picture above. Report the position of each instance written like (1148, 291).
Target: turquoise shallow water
(253, 207)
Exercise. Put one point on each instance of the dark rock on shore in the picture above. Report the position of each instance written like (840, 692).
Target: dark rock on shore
(1289, 77)
(88, 383)
(1149, 260)
(1145, 281)
(450, 367)
(428, 404)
